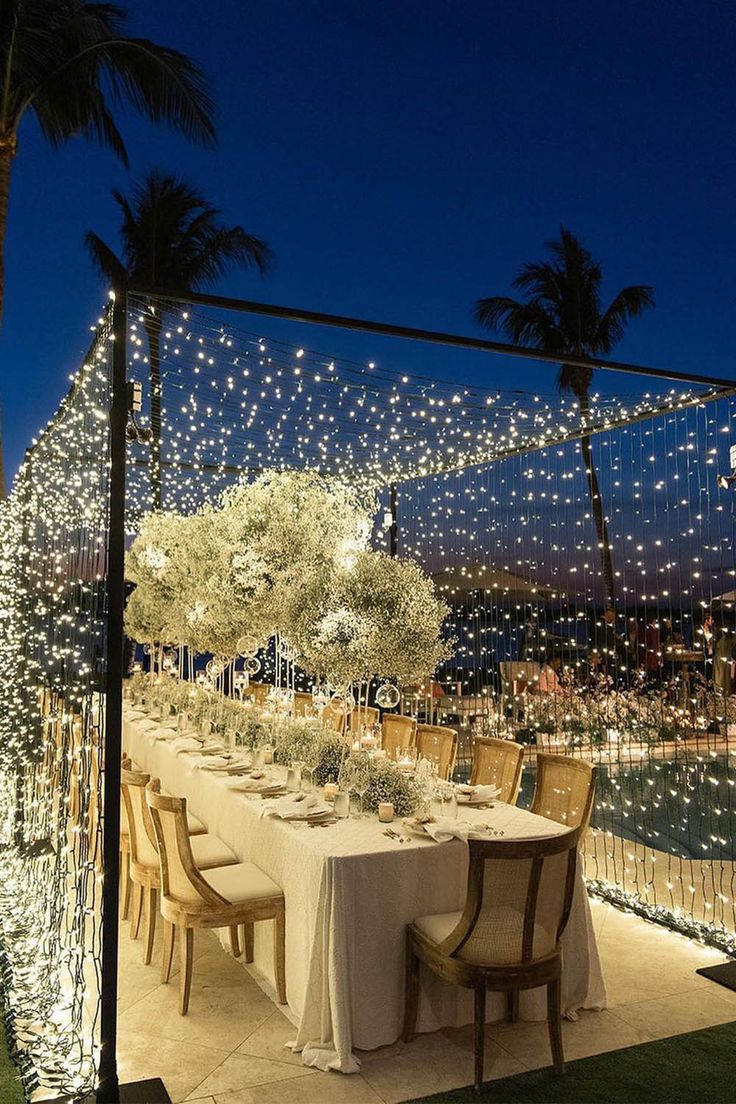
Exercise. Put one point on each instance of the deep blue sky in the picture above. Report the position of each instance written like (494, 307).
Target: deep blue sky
(403, 158)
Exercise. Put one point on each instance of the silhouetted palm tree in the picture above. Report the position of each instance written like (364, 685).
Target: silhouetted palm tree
(173, 240)
(70, 64)
(562, 313)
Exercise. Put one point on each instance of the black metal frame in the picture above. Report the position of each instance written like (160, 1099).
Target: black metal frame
(109, 1089)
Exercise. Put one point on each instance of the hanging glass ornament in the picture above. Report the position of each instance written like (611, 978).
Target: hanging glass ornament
(252, 665)
(247, 646)
(214, 669)
(387, 696)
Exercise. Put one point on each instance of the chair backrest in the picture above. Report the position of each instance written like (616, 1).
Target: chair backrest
(303, 704)
(143, 850)
(521, 669)
(397, 731)
(498, 763)
(565, 789)
(518, 900)
(181, 881)
(260, 692)
(434, 741)
(364, 715)
(334, 719)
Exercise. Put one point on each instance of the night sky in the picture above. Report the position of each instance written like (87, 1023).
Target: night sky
(402, 159)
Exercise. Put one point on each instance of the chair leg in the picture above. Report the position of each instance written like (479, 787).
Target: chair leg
(135, 923)
(125, 885)
(554, 1022)
(411, 993)
(479, 1030)
(149, 932)
(186, 958)
(279, 953)
(248, 940)
(512, 1005)
(168, 951)
(234, 941)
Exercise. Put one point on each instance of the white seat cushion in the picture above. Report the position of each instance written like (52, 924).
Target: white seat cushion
(242, 882)
(438, 927)
(195, 827)
(208, 850)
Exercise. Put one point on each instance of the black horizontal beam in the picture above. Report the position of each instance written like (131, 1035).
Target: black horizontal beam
(410, 333)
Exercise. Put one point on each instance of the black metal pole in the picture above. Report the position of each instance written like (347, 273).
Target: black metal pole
(393, 533)
(108, 1089)
(435, 337)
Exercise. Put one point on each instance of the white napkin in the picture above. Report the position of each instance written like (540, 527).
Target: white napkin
(253, 785)
(166, 734)
(290, 808)
(478, 795)
(221, 762)
(442, 829)
(185, 743)
(148, 723)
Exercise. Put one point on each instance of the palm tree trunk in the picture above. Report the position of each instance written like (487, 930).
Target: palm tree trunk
(7, 152)
(8, 147)
(153, 332)
(601, 525)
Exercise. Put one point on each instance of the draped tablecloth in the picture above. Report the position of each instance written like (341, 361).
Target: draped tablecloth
(350, 894)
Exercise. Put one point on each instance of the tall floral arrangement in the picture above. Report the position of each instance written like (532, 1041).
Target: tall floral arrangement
(376, 616)
(288, 529)
(287, 554)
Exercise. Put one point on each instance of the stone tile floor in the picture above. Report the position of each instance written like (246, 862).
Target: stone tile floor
(230, 1048)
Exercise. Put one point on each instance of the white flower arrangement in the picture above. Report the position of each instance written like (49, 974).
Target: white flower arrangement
(286, 554)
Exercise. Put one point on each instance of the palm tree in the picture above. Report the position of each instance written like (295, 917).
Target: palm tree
(562, 313)
(172, 240)
(68, 63)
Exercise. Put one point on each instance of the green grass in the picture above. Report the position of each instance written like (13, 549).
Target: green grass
(10, 1090)
(698, 1068)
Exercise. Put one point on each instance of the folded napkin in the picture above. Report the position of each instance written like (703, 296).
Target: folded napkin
(290, 808)
(477, 795)
(185, 743)
(148, 723)
(166, 734)
(255, 785)
(222, 763)
(442, 829)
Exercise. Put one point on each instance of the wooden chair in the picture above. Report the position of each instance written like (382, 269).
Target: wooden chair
(221, 898)
(497, 763)
(507, 937)
(363, 715)
(208, 850)
(333, 719)
(515, 674)
(260, 692)
(397, 731)
(303, 704)
(438, 743)
(565, 789)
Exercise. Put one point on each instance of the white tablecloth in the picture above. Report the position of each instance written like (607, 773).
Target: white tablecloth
(350, 893)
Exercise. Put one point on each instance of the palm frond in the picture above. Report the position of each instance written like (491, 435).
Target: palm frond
(72, 63)
(104, 259)
(630, 302)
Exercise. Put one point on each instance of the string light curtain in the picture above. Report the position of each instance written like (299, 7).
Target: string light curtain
(494, 500)
(515, 551)
(53, 604)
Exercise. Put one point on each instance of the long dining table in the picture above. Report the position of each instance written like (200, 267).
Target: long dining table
(350, 893)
